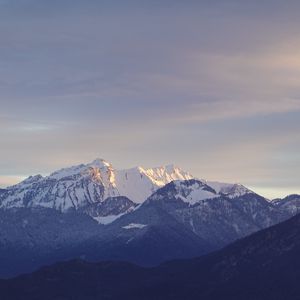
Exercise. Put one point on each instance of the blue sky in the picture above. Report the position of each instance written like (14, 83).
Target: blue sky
(212, 86)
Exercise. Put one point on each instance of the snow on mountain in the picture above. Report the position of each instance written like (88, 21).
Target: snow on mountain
(193, 191)
(134, 225)
(87, 188)
(182, 216)
(138, 183)
(69, 188)
(108, 219)
(229, 190)
(80, 186)
(189, 191)
(216, 217)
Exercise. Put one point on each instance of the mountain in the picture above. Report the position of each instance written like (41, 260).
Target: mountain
(93, 187)
(31, 237)
(262, 266)
(101, 191)
(217, 218)
(84, 186)
(180, 218)
(139, 183)
(150, 235)
(110, 209)
(290, 203)
(185, 219)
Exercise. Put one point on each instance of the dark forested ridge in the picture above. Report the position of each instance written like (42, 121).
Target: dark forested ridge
(265, 265)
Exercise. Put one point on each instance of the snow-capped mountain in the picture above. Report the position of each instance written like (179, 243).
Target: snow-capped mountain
(189, 191)
(184, 217)
(92, 187)
(139, 183)
(193, 191)
(79, 186)
(217, 218)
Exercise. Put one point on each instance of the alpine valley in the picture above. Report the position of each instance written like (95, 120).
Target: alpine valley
(145, 216)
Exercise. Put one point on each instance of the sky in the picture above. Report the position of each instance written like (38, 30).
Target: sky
(211, 86)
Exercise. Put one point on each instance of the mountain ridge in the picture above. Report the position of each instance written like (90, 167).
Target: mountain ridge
(80, 187)
(176, 221)
(262, 266)
(180, 218)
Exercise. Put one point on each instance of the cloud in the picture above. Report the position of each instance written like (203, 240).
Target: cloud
(199, 83)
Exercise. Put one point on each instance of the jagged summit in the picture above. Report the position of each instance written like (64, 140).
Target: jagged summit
(81, 186)
(100, 161)
(150, 215)
(80, 169)
(192, 191)
(189, 191)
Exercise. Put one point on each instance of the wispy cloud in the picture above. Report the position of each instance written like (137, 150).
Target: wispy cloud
(150, 83)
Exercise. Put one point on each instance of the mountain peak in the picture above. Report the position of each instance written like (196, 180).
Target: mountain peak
(100, 163)
(190, 191)
(81, 185)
